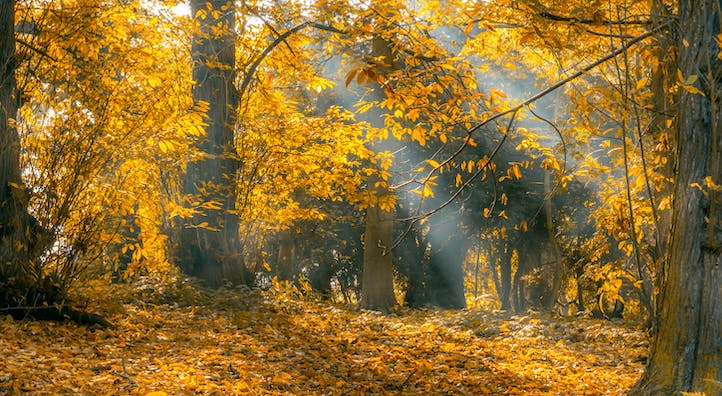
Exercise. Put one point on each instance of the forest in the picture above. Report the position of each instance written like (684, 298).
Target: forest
(273, 197)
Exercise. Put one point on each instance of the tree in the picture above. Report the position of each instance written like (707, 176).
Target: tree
(685, 354)
(22, 239)
(377, 283)
(209, 247)
(14, 247)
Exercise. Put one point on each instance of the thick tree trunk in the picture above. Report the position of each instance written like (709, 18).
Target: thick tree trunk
(209, 246)
(11, 192)
(377, 287)
(18, 233)
(377, 283)
(686, 354)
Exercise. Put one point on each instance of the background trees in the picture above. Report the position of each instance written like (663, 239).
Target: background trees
(568, 149)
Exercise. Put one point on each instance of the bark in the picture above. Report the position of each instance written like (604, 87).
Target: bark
(377, 287)
(213, 252)
(286, 256)
(10, 181)
(686, 354)
(20, 234)
(377, 284)
(505, 279)
(559, 269)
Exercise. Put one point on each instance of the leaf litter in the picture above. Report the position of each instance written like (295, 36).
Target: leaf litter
(248, 342)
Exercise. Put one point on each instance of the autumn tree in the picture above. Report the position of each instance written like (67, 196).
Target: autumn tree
(17, 238)
(685, 355)
(377, 287)
(208, 245)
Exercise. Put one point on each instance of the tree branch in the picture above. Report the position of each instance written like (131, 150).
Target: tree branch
(280, 39)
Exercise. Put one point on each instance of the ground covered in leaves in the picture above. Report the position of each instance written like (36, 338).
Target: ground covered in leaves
(243, 342)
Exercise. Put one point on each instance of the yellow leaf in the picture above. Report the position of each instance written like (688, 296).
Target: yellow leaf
(156, 393)
(509, 65)
(469, 28)
(281, 379)
(642, 82)
(693, 90)
(433, 163)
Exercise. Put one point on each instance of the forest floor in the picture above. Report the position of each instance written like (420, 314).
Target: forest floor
(243, 342)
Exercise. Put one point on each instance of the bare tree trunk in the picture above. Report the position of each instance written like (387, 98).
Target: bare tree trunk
(377, 284)
(18, 235)
(11, 192)
(209, 247)
(559, 271)
(686, 355)
(505, 278)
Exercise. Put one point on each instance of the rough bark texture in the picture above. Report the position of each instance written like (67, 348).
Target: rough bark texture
(377, 287)
(19, 233)
(213, 252)
(10, 182)
(686, 354)
(377, 284)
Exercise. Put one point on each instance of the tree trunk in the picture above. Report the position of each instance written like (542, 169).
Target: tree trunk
(209, 247)
(505, 278)
(18, 232)
(377, 287)
(11, 192)
(559, 270)
(286, 256)
(686, 354)
(377, 284)
(412, 263)
(518, 292)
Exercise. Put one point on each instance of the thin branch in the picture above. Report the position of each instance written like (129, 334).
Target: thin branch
(280, 39)
(514, 110)
(571, 78)
(34, 49)
(598, 21)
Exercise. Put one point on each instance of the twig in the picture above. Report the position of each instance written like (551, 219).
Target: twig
(280, 39)
(124, 374)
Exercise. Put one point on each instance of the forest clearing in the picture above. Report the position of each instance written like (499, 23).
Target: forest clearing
(361, 197)
(254, 343)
